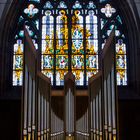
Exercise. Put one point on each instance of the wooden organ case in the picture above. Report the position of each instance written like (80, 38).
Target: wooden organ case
(69, 114)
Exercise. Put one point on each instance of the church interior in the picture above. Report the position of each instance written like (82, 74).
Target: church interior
(69, 69)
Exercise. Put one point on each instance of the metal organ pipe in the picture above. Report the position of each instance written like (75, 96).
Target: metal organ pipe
(29, 107)
(33, 111)
(113, 88)
(25, 103)
(100, 114)
(39, 115)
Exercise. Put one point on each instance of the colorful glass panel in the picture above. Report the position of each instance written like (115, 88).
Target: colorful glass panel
(61, 33)
(48, 5)
(18, 63)
(78, 61)
(47, 61)
(77, 32)
(62, 5)
(108, 10)
(60, 77)
(31, 10)
(77, 5)
(91, 5)
(35, 0)
(91, 44)
(121, 63)
(61, 45)
(71, 34)
(79, 77)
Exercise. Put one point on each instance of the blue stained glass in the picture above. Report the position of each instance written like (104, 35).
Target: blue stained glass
(20, 19)
(103, 1)
(21, 33)
(92, 61)
(77, 43)
(47, 32)
(47, 62)
(92, 31)
(78, 61)
(121, 61)
(35, 0)
(62, 5)
(18, 61)
(48, 19)
(91, 5)
(77, 5)
(37, 24)
(84, 54)
(77, 34)
(48, 5)
(77, 38)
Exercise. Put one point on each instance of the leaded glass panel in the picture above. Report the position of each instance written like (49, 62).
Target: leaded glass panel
(70, 36)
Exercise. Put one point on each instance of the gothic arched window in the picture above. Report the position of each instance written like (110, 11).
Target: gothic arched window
(69, 36)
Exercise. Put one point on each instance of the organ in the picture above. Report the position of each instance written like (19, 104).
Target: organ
(69, 113)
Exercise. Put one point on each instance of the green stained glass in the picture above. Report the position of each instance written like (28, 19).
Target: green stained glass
(119, 19)
(61, 62)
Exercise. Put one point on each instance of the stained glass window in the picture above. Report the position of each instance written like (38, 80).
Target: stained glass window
(18, 63)
(121, 65)
(70, 36)
(91, 44)
(61, 45)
